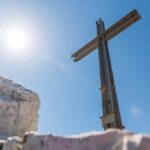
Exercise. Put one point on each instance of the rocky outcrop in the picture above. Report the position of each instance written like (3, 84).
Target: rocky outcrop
(108, 140)
(19, 114)
(18, 109)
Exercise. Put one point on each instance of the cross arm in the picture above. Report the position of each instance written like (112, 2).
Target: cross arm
(115, 29)
(122, 24)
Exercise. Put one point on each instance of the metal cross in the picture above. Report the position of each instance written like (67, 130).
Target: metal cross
(111, 115)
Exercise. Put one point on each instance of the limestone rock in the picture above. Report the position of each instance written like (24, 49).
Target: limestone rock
(108, 140)
(18, 109)
(14, 143)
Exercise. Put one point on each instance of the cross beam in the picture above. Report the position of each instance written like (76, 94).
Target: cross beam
(108, 34)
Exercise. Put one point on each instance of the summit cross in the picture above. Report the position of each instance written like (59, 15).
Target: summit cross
(111, 114)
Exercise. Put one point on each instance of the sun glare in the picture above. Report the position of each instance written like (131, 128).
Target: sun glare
(15, 39)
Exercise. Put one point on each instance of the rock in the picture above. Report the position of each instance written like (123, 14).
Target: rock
(18, 109)
(108, 140)
(13, 143)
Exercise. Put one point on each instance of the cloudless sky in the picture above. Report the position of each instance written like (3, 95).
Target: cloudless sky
(69, 92)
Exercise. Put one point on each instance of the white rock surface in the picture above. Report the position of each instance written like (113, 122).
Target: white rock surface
(18, 109)
(108, 140)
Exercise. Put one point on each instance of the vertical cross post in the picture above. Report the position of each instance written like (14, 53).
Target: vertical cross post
(111, 114)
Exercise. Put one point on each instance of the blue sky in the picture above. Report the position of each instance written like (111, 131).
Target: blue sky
(69, 92)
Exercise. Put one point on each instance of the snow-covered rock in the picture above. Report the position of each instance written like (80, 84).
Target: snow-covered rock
(18, 109)
(108, 140)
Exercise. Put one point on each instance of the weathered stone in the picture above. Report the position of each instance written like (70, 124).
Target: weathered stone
(18, 109)
(12, 143)
(107, 140)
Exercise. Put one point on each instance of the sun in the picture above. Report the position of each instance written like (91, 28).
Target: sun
(15, 39)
